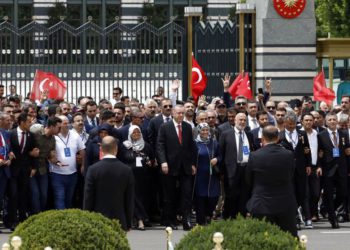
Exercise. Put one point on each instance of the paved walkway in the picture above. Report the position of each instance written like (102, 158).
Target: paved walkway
(322, 237)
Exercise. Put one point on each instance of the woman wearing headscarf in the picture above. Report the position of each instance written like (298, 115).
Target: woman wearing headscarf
(207, 179)
(138, 155)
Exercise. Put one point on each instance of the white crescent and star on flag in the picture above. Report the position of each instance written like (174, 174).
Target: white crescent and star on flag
(196, 70)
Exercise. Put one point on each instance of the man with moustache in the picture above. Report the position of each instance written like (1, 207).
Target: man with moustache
(263, 120)
(151, 107)
(279, 117)
(176, 152)
(189, 113)
(231, 114)
(333, 146)
(235, 145)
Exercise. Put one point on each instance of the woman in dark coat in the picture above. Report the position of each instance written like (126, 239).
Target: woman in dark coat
(207, 179)
(138, 155)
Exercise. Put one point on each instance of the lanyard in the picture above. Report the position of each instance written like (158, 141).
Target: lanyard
(65, 143)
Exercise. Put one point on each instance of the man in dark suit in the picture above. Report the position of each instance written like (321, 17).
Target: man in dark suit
(156, 122)
(231, 114)
(269, 175)
(297, 141)
(110, 186)
(334, 146)
(176, 151)
(263, 120)
(235, 146)
(91, 121)
(23, 146)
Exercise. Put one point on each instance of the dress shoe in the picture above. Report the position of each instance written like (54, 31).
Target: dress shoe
(173, 226)
(186, 226)
(335, 224)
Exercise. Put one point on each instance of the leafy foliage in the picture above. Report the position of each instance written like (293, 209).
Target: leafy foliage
(332, 16)
(243, 234)
(156, 14)
(71, 229)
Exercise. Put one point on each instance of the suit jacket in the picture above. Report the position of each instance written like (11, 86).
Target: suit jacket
(6, 136)
(302, 160)
(22, 160)
(109, 190)
(89, 127)
(153, 129)
(270, 176)
(229, 151)
(170, 150)
(328, 162)
(227, 126)
(256, 139)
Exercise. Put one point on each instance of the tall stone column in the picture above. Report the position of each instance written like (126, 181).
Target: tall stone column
(285, 49)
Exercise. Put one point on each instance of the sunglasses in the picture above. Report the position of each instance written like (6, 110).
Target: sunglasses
(271, 107)
(241, 103)
(167, 106)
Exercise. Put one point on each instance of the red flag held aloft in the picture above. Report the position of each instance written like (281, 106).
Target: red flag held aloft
(47, 82)
(199, 80)
(234, 86)
(244, 87)
(321, 92)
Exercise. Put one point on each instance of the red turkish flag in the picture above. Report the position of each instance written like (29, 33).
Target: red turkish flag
(199, 80)
(234, 86)
(321, 92)
(244, 87)
(47, 82)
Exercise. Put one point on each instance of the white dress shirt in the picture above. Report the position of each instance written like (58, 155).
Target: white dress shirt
(294, 139)
(245, 144)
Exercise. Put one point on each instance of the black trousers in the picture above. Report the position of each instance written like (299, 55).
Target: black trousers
(330, 182)
(169, 184)
(236, 194)
(314, 190)
(205, 207)
(19, 196)
(302, 192)
(286, 221)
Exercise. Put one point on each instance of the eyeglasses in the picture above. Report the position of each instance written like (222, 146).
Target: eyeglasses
(241, 103)
(271, 107)
(167, 106)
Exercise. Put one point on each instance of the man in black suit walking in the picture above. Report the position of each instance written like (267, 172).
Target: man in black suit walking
(109, 186)
(176, 151)
(23, 147)
(235, 145)
(269, 174)
(334, 146)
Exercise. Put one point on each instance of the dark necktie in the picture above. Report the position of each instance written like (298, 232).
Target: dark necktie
(167, 119)
(240, 148)
(335, 139)
(21, 145)
(180, 133)
(93, 123)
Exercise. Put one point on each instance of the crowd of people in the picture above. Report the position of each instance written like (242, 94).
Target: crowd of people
(176, 159)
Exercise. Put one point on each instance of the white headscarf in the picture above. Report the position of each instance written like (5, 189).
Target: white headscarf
(135, 145)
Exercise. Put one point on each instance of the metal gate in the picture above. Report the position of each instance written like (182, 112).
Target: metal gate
(93, 60)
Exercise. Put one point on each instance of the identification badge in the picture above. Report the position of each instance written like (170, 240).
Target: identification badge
(336, 152)
(138, 161)
(2, 151)
(245, 150)
(67, 152)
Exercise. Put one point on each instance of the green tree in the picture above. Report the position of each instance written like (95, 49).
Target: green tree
(156, 14)
(332, 16)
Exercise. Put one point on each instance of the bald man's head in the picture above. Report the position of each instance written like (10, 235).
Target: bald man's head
(270, 134)
(109, 145)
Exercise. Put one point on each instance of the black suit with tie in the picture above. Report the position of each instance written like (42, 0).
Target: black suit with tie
(109, 190)
(180, 157)
(89, 126)
(269, 175)
(21, 167)
(236, 192)
(302, 158)
(334, 169)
